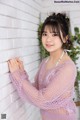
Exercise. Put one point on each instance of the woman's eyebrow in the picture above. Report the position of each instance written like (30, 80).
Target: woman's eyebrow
(44, 31)
(53, 32)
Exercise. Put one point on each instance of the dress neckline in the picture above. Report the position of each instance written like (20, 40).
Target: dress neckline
(55, 67)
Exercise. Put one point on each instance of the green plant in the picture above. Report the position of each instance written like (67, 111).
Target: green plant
(78, 75)
(76, 30)
(78, 38)
(77, 34)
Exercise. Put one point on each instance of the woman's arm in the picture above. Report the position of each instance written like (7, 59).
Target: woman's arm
(47, 97)
(16, 65)
(25, 76)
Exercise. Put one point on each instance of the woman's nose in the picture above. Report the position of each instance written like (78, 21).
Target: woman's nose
(48, 38)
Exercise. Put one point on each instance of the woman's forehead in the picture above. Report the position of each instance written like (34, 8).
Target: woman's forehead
(50, 28)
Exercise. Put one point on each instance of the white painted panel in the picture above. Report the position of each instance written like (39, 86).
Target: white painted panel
(20, 6)
(9, 22)
(18, 38)
(12, 12)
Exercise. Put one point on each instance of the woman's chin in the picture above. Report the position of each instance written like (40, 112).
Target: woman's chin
(50, 50)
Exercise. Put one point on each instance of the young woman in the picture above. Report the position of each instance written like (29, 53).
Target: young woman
(53, 88)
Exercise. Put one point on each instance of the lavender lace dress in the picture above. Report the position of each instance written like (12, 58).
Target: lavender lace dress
(52, 90)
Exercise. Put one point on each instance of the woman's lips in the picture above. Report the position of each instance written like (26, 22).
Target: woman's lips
(48, 45)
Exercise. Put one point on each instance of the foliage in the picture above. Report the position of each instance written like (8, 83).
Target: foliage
(77, 34)
(76, 30)
(78, 75)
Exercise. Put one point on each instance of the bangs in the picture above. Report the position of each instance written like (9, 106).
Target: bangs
(52, 27)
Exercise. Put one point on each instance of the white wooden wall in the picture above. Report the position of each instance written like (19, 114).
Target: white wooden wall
(75, 19)
(19, 21)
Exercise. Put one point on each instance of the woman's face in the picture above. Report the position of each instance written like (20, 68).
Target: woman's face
(51, 40)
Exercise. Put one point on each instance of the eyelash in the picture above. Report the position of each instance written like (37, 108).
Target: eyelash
(54, 34)
(44, 34)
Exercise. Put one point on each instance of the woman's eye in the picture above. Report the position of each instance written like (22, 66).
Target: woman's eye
(55, 34)
(44, 34)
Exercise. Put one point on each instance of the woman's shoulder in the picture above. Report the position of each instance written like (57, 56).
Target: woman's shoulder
(69, 64)
(67, 61)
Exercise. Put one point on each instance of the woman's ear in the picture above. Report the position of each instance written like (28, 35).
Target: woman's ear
(65, 39)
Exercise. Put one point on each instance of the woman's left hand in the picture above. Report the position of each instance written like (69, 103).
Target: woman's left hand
(13, 65)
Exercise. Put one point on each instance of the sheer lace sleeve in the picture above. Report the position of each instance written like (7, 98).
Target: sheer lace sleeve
(47, 97)
(23, 75)
(35, 83)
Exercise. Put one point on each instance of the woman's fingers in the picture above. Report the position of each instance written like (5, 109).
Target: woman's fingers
(10, 66)
(18, 60)
(20, 63)
(13, 65)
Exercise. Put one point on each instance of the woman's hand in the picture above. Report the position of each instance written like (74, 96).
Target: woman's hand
(20, 63)
(13, 65)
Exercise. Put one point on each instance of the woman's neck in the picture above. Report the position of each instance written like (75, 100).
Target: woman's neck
(54, 56)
